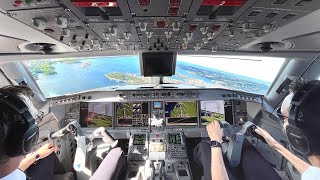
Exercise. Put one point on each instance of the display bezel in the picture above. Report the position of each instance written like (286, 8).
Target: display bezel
(117, 126)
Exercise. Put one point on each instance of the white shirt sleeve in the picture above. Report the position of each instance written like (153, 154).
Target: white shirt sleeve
(15, 175)
(312, 173)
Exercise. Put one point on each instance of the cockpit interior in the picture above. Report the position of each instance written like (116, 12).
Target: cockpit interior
(148, 76)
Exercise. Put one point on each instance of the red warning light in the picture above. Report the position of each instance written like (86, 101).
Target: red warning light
(144, 2)
(173, 11)
(192, 27)
(17, 3)
(95, 3)
(223, 2)
(161, 24)
(174, 2)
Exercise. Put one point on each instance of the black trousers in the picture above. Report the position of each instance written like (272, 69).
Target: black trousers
(253, 166)
(45, 168)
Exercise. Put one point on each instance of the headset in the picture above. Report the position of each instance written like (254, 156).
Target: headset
(14, 144)
(296, 138)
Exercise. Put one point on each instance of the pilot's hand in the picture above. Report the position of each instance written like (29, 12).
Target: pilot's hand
(269, 139)
(45, 150)
(215, 132)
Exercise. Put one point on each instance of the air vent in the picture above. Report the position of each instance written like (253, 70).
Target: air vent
(279, 2)
(289, 16)
(254, 13)
(303, 2)
(271, 15)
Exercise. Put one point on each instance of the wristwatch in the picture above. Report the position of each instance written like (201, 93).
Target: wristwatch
(37, 159)
(215, 144)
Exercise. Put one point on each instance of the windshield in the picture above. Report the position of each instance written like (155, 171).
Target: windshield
(58, 77)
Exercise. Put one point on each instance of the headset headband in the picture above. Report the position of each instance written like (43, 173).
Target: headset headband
(295, 115)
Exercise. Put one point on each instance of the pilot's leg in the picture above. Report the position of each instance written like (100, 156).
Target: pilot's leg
(45, 168)
(111, 167)
(254, 166)
(202, 155)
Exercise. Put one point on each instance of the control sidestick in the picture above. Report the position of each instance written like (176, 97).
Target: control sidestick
(106, 136)
(253, 133)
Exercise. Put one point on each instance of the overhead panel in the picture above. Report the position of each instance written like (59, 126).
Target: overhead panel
(98, 25)
(294, 5)
(117, 35)
(8, 5)
(99, 10)
(153, 8)
(217, 10)
(200, 35)
(59, 24)
(158, 33)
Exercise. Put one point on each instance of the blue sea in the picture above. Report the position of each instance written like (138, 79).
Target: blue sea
(70, 78)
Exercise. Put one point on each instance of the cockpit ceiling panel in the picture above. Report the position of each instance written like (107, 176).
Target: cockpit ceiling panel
(160, 8)
(58, 23)
(112, 32)
(159, 25)
(293, 5)
(19, 4)
(100, 14)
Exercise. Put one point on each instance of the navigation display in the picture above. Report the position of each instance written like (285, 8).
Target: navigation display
(139, 139)
(174, 138)
(211, 111)
(181, 113)
(132, 114)
(96, 114)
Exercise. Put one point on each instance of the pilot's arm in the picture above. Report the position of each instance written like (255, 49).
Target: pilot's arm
(218, 170)
(299, 164)
(42, 152)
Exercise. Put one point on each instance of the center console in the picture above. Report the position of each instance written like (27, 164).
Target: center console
(158, 155)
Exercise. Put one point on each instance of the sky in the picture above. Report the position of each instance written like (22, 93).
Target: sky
(262, 68)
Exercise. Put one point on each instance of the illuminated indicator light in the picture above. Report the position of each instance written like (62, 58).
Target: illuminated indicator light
(95, 3)
(161, 24)
(192, 27)
(223, 2)
(27, 2)
(17, 3)
(174, 2)
(144, 2)
(173, 11)
(215, 28)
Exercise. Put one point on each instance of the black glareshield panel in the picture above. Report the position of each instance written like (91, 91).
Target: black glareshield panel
(212, 111)
(181, 113)
(96, 114)
(157, 63)
(132, 114)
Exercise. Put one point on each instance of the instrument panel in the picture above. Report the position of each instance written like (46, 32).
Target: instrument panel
(157, 114)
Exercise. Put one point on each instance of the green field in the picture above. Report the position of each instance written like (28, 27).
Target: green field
(208, 119)
(106, 121)
(184, 108)
(125, 109)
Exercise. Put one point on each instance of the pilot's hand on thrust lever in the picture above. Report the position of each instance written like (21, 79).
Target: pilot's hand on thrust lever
(269, 139)
(45, 150)
(215, 131)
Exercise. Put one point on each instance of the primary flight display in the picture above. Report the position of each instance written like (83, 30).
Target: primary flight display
(97, 114)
